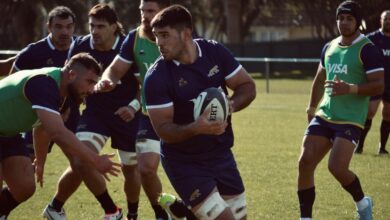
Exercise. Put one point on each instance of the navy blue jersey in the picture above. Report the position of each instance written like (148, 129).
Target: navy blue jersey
(383, 44)
(40, 54)
(44, 54)
(124, 92)
(43, 93)
(170, 83)
(368, 55)
(127, 48)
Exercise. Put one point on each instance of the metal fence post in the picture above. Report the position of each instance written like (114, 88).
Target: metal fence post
(267, 76)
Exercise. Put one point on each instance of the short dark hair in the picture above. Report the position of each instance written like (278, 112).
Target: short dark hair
(85, 60)
(161, 3)
(62, 12)
(175, 16)
(105, 12)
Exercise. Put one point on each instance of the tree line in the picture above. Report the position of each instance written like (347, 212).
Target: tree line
(24, 21)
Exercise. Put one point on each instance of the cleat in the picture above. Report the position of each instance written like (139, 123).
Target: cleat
(52, 214)
(166, 200)
(114, 216)
(358, 150)
(383, 151)
(131, 216)
(366, 214)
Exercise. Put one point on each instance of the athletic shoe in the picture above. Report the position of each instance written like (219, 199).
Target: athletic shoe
(3, 217)
(383, 151)
(131, 217)
(114, 216)
(166, 200)
(358, 150)
(52, 214)
(366, 214)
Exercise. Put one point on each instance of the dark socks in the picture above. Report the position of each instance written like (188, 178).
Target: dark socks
(306, 201)
(385, 130)
(133, 209)
(7, 202)
(179, 209)
(56, 204)
(364, 133)
(159, 212)
(355, 189)
(106, 202)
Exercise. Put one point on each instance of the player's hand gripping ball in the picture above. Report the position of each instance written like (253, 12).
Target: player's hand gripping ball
(215, 100)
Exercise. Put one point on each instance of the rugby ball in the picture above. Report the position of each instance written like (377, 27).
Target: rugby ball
(215, 100)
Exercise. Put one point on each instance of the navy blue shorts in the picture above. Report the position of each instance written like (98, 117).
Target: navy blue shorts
(145, 129)
(319, 126)
(12, 146)
(122, 133)
(194, 181)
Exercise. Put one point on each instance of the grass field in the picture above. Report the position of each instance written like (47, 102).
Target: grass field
(267, 145)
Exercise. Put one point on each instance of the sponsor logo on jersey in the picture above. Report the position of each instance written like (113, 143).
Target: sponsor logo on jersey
(148, 65)
(49, 61)
(213, 71)
(195, 195)
(386, 52)
(338, 68)
(182, 82)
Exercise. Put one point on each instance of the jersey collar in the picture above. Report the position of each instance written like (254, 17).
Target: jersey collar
(359, 38)
(50, 43)
(199, 53)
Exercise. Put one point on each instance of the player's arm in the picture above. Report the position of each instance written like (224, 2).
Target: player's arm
(6, 65)
(244, 89)
(68, 142)
(317, 91)
(112, 74)
(41, 141)
(119, 66)
(169, 132)
(42, 91)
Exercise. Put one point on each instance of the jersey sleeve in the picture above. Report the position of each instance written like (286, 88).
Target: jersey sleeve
(371, 58)
(156, 91)
(23, 59)
(74, 48)
(229, 64)
(126, 51)
(322, 60)
(43, 93)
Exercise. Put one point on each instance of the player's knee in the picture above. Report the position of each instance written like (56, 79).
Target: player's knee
(147, 169)
(305, 163)
(24, 191)
(127, 158)
(130, 172)
(238, 206)
(212, 207)
(336, 170)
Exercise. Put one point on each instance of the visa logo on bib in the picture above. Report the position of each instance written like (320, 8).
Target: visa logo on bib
(386, 52)
(338, 68)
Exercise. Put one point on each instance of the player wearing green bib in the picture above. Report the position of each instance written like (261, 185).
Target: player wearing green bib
(344, 63)
(33, 99)
(349, 72)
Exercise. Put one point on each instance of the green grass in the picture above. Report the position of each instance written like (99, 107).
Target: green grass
(267, 146)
